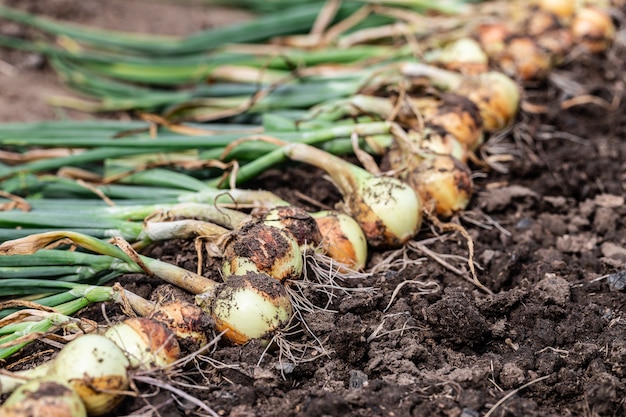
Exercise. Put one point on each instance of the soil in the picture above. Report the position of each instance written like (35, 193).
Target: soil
(550, 244)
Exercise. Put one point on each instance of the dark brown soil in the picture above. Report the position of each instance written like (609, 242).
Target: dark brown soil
(550, 339)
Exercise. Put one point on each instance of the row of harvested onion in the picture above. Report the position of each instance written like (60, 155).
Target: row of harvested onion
(90, 374)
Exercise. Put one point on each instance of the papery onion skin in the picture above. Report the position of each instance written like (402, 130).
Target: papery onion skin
(250, 306)
(257, 247)
(96, 368)
(148, 343)
(187, 321)
(43, 397)
(297, 221)
(342, 239)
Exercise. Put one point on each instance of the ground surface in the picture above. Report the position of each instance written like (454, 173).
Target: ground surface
(546, 233)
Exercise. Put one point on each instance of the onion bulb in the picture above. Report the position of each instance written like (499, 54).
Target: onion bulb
(496, 95)
(563, 9)
(388, 210)
(492, 37)
(452, 114)
(297, 221)
(249, 306)
(96, 368)
(188, 322)
(464, 55)
(342, 239)
(148, 343)
(43, 397)
(593, 29)
(525, 59)
(257, 247)
(446, 144)
(444, 183)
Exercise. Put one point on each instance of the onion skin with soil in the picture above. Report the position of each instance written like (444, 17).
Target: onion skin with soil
(257, 247)
(452, 114)
(298, 222)
(247, 307)
(43, 397)
(187, 321)
(443, 182)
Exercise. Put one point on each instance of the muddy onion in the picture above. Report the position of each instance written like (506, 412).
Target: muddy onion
(257, 247)
(297, 221)
(444, 183)
(249, 306)
(147, 343)
(96, 368)
(388, 210)
(452, 114)
(187, 321)
(342, 238)
(43, 397)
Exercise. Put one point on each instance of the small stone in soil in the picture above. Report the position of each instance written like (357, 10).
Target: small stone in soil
(617, 281)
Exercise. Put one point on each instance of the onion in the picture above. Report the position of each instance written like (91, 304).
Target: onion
(434, 142)
(43, 397)
(464, 55)
(444, 183)
(148, 343)
(593, 29)
(525, 59)
(187, 321)
(452, 114)
(492, 37)
(342, 239)
(297, 221)
(388, 210)
(96, 368)
(563, 9)
(257, 247)
(496, 95)
(249, 306)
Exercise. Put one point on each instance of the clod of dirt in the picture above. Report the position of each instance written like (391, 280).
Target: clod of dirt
(553, 289)
(457, 310)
